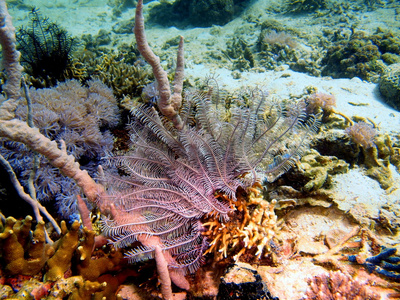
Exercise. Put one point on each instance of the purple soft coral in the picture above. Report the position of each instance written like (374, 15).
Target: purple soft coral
(81, 117)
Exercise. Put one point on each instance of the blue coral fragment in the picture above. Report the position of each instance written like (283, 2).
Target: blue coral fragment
(386, 263)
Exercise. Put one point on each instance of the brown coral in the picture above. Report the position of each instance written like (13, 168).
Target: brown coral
(73, 270)
(22, 253)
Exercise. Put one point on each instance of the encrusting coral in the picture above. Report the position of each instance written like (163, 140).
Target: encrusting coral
(239, 53)
(317, 170)
(355, 56)
(389, 85)
(304, 6)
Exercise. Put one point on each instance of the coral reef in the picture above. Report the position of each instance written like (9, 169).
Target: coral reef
(377, 156)
(183, 185)
(315, 171)
(172, 177)
(277, 47)
(211, 12)
(118, 6)
(337, 143)
(126, 80)
(239, 54)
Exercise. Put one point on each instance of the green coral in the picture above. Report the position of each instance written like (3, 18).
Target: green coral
(386, 41)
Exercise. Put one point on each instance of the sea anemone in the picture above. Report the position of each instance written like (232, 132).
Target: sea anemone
(362, 134)
(281, 39)
(321, 100)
